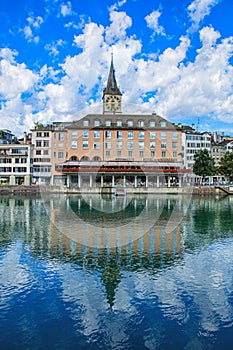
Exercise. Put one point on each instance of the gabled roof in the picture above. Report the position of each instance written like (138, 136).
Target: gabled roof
(112, 88)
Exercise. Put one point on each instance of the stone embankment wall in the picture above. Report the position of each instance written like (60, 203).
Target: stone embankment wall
(199, 190)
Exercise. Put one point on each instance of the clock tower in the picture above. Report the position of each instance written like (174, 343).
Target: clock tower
(111, 94)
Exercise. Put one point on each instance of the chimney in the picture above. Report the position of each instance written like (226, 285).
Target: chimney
(25, 137)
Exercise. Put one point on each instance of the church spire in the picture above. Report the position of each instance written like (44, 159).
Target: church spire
(112, 88)
(112, 94)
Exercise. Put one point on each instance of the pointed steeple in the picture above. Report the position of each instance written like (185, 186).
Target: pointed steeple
(112, 88)
(111, 94)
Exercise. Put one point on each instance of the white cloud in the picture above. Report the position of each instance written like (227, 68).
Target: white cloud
(33, 25)
(117, 29)
(152, 21)
(167, 83)
(199, 9)
(66, 9)
(15, 78)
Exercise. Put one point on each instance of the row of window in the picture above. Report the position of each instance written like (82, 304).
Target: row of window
(119, 134)
(40, 143)
(130, 123)
(197, 145)
(15, 170)
(42, 134)
(16, 160)
(163, 154)
(197, 138)
(119, 145)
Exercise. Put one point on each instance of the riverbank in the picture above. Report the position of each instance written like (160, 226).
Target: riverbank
(37, 190)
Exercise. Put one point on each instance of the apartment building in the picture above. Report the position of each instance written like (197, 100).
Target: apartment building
(193, 141)
(42, 138)
(16, 164)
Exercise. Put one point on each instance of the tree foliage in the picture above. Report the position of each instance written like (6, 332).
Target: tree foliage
(204, 164)
(226, 165)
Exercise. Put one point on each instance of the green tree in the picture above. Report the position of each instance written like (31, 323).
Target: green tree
(226, 165)
(38, 125)
(204, 164)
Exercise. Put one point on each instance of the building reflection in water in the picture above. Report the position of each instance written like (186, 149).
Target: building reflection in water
(157, 262)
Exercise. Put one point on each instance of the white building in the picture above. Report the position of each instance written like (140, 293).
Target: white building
(15, 164)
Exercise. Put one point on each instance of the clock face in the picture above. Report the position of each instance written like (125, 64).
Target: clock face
(113, 103)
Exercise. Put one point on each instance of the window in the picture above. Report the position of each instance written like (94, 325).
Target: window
(119, 134)
(107, 134)
(46, 134)
(141, 144)
(85, 144)
(174, 154)
(163, 154)
(163, 135)
(38, 143)
(130, 144)
(130, 123)
(118, 153)
(119, 123)
(39, 134)
(96, 145)
(46, 143)
(141, 135)
(61, 136)
(60, 155)
(151, 123)
(46, 152)
(108, 123)
(97, 122)
(74, 144)
(16, 160)
(96, 134)
(130, 153)
(175, 135)
(108, 145)
(119, 144)
(163, 124)
(130, 135)
(38, 152)
(152, 153)
(107, 153)
(85, 134)
(141, 154)
(152, 135)
(163, 145)
(86, 122)
(174, 145)
(141, 123)
(74, 134)
(152, 145)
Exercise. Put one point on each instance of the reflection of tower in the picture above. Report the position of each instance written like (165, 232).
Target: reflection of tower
(111, 278)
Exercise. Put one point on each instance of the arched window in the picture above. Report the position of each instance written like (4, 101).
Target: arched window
(96, 159)
(85, 158)
(73, 158)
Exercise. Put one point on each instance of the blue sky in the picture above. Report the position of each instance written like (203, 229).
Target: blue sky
(171, 57)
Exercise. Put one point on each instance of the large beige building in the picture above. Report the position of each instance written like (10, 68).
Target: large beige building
(102, 149)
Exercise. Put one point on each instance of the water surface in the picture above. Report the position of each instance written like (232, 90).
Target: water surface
(94, 272)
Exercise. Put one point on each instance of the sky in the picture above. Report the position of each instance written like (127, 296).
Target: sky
(173, 58)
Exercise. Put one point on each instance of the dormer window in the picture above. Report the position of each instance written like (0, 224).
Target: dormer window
(163, 124)
(97, 122)
(108, 123)
(119, 123)
(86, 122)
(141, 123)
(130, 123)
(152, 123)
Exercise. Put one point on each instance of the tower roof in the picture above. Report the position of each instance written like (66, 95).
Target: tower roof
(112, 88)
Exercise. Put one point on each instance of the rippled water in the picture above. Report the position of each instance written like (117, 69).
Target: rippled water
(95, 272)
